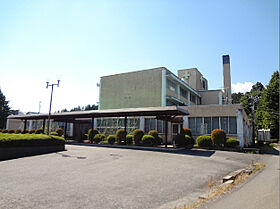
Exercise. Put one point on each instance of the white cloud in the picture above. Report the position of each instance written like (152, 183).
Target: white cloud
(242, 87)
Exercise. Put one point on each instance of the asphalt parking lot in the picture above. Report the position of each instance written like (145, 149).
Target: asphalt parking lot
(95, 177)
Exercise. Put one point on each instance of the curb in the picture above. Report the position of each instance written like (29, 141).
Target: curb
(158, 149)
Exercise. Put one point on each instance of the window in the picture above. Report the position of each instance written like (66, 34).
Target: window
(215, 123)
(161, 126)
(172, 86)
(207, 122)
(192, 124)
(198, 125)
(224, 124)
(232, 125)
(192, 98)
(183, 93)
(150, 124)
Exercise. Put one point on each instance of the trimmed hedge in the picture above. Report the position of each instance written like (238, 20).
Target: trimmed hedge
(111, 139)
(183, 141)
(91, 134)
(218, 137)
(98, 138)
(232, 143)
(148, 140)
(59, 131)
(4, 131)
(120, 136)
(158, 139)
(39, 131)
(204, 141)
(129, 139)
(32, 131)
(18, 131)
(186, 131)
(137, 136)
(29, 140)
(11, 131)
(54, 133)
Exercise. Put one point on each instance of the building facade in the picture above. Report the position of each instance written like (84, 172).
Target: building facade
(209, 109)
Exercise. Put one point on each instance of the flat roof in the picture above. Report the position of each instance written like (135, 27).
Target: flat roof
(129, 112)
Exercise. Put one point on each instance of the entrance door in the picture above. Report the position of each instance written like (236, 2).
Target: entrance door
(176, 128)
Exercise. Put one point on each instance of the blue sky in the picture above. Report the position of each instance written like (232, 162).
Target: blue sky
(80, 41)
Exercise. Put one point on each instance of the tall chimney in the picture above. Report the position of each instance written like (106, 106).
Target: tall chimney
(227, 79)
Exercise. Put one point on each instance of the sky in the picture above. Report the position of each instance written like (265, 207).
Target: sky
(78, 41)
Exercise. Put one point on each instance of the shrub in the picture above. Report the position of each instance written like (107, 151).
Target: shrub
(98, 138)
(137, 136)
(32, 131)
(4, 131)
(39, 131)
(29, 140)
(18, 131)
(158, 139)
(59, 131)
(186, 131)
(54, 133)
(111, 139)
(0, 130)
(120, 136)
(148, 140)
(189, 141)
(91, 134)
(204, 141)
(11, 131)
(232, 143)
(218, 137)
(129, 139)
(25, 131)
(183, 141)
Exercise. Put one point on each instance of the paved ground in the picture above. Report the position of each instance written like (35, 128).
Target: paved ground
(260, 191)
(92, 177)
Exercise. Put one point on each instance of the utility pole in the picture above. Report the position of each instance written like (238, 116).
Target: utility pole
(39, 106)
(255, 100)
(49, 118)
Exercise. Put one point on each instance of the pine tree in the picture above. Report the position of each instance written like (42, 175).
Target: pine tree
(268, 109)
(4, 110)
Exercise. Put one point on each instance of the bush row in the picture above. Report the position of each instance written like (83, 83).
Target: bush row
(58, 132)
(29, 140)
(218, 139)
(137, 137)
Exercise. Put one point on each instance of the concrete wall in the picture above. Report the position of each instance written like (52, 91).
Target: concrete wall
(194, 79)
(133, 89)
(209, 97)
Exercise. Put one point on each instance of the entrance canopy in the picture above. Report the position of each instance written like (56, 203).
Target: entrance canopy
(159, 112)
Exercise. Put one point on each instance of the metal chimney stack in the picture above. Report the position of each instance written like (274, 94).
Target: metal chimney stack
(227, 79)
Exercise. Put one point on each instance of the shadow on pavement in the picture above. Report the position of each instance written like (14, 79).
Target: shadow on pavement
(180, 151)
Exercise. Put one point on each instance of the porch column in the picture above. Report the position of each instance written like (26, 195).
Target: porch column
(166, 131)
(92, 123)
(25, 123)
(185, 122)
(65, 130)
(239, 121)
(125, 127)
(44, 124)
(142, 123)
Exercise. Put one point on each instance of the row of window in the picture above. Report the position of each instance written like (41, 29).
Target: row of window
(205, 125)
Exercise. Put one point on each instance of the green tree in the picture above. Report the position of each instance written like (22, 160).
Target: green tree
(248, 98)
(4, 110)
(267, 114)
(236, 97)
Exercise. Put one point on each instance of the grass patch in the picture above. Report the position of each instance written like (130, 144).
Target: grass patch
(216, 191)
(29, 140)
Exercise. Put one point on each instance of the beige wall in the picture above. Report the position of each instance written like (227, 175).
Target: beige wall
(133, 89)
(194, 79)
(209, 97)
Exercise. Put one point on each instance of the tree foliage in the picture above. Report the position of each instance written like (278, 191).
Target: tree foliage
(4, 110)
(236, 97)
(267, 115)
(247, 100)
